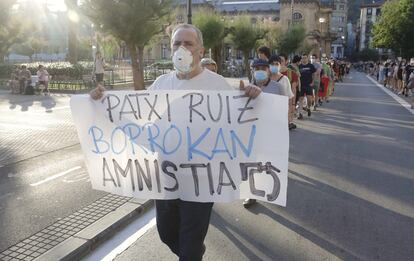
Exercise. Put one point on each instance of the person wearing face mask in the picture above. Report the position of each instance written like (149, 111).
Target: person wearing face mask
(294, 82)
(409, 68)
(182, 225)
(276, 75)
(307, 75)
(317, 79)
(269, 83)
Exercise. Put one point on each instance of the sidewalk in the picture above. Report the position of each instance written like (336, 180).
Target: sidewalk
(34, 125)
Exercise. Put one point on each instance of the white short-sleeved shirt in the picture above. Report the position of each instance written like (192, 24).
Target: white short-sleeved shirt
(206, 81)
(281, 87)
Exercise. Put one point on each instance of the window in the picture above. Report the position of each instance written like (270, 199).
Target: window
(340, 29)
(341, 7)
(334, 7)
(297, 16)
(378, 11)
(369, 11)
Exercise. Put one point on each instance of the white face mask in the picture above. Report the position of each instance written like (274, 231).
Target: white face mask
(312, 60)
(183, 60)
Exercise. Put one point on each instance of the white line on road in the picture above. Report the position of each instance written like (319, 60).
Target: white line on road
(393, 95)
(55, 176)
(356, 84)
(124, 238)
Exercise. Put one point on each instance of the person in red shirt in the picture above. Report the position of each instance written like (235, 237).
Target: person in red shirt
(294, 81)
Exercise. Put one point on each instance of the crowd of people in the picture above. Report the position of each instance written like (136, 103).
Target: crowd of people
(21, 81)
(397, 75)
(306, 81)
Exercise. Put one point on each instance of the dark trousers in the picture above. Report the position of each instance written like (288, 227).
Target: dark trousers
(182, 226)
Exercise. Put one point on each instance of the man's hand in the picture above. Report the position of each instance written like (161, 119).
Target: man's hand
(250, 90)
(98, 92)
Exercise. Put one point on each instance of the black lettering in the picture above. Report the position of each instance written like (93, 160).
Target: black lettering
(195, 105)
(253, 189)
(245, 108)
(136, 97)
(220, 109)
(153, 107)
(157, 175)
(164, 166)
(223, 169)
(272, 170)
(105, 166)
(123, 172)
(109, 107)
(168, 108)
(126, 98)
(141, 175)
(195, 175)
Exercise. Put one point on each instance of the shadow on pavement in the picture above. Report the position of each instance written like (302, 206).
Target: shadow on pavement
(27, 101)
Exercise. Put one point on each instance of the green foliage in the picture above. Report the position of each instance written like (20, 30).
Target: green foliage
(365, 55)
(134, 22)
(85, 49)
(292, 40)
(11, 28)
(109, 46)
(395, 27)
(244, 36)
(272, 37)
(30, 47)
(58, 70)
(212, 27)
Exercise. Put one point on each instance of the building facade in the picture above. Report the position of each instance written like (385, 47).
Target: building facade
(369, 15)
(339, 27)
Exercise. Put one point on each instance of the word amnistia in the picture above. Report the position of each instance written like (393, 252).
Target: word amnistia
(140, 173)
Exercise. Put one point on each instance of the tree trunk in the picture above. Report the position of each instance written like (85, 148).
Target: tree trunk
(217, 58)
(246, 65)
(137, 57)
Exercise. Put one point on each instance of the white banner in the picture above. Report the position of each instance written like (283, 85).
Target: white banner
(205, 146)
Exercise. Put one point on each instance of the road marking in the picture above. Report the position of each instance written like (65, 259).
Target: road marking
(55, 176)
(356, 84)
(393, 95)
(124, 238)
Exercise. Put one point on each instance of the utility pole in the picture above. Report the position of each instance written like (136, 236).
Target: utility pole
(189, 14)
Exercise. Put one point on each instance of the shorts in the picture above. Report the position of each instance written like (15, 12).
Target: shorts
(306, 90)
(316, 86)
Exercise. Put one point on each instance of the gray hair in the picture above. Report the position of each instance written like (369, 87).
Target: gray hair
(188, 26)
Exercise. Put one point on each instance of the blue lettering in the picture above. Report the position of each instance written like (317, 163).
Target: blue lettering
(234, 138)
(220, 137)
(112, 140)
(172, 127)
(128, 130)
(151, 137)
(191, 147)
(98, 139)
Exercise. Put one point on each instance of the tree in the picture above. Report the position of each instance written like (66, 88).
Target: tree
(395, 27)
(273, 36)
(73, 19)
(109, 46)
(30, 47)
(134, 22)
(11, 28)
(244, 36)
(292, 40)
(213, 29)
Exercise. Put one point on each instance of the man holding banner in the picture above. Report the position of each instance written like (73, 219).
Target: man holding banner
(183, 225)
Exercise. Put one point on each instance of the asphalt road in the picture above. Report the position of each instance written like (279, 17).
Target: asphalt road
(350, 190)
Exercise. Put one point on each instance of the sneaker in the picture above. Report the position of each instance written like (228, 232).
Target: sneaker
(248, 202)
(314, 108)
(292, 126)
(309, 112)
(320, 102)
(300, 117)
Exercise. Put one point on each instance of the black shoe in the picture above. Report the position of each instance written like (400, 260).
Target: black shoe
(248, 202)
(327, 101)
(292, 126)
(320, 103)
(300, 117)
(309, 112)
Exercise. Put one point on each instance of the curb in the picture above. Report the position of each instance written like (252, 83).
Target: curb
(83, 242)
